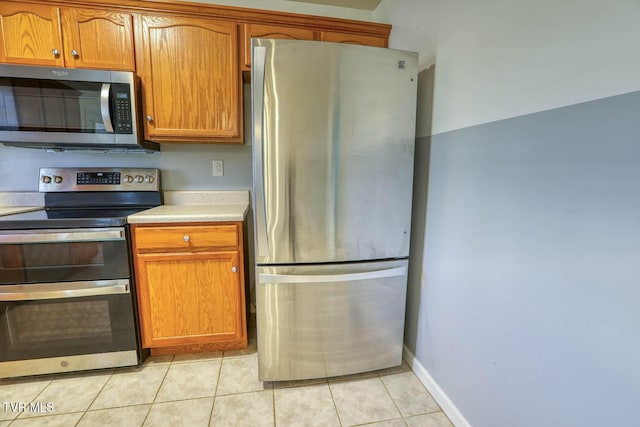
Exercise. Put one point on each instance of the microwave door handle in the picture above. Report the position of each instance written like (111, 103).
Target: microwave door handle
(105, 95)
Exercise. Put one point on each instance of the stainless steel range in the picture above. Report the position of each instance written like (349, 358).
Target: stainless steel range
(67, 294)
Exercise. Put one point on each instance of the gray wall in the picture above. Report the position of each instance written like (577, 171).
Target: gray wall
(522, 306)
(528, 310)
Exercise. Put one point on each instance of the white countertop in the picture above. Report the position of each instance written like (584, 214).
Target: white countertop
(196, 206)
(8, 210)
(191, 213)
(31, 200)
(182, 206)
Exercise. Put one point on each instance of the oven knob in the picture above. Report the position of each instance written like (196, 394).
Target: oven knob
(46, 179)
(128, 178)
(139, 178)
(57, 179)
(149, 179)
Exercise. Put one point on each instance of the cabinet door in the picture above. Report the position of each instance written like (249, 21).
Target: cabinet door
(190, 298)
(98, 39)
(191, 80)
(30, 35)
(353, 39)
(272, 32)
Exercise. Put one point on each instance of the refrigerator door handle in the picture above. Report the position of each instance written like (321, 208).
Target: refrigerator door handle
(258, 62)
(331, 278)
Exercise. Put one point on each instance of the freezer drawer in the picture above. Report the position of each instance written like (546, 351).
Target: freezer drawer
(329, 320)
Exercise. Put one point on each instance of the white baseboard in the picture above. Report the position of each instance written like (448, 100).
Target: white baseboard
(432, 386)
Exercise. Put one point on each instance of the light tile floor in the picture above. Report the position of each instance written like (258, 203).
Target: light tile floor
(217, 389)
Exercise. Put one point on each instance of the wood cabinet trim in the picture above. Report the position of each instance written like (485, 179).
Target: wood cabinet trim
(238, 14)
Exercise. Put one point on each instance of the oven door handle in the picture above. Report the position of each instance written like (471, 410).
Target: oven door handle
(62, 236)
(61, 290)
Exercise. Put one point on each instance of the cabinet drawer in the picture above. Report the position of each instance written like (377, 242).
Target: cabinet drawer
(186, 238)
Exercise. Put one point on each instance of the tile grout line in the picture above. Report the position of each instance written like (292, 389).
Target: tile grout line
(273, 403)
(157, 392)
(335, 406)
(392, 399)
(96, 396)
(404, 418)
(215, 391)
(33, 400)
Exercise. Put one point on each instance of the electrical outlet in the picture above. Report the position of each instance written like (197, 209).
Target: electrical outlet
(218, 168)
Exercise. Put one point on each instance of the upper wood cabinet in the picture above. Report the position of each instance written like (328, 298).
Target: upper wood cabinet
(33, 34)
(97, 39)
(329, 36)
(190, 78)
(272, 32)
(30, 35)
(188, 55)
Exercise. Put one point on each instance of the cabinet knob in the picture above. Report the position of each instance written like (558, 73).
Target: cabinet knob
(149, 118)
(75, 53)
(234, 269)
(55, 52)
(186, 238)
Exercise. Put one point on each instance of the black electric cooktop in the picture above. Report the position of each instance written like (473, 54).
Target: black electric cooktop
(89, 198)
(68, 218)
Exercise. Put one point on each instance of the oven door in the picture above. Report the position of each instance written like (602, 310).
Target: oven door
(61, 255)
(65, 301)
(69, 326)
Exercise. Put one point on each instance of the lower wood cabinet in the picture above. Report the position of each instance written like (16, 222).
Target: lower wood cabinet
(190, 286)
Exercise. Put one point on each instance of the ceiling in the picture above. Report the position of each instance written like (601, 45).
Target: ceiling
(354, 4)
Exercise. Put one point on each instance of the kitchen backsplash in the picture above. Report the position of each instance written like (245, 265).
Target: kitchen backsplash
(205, 197)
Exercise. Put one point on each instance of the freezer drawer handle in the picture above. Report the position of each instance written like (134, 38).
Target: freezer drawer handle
(330, 278)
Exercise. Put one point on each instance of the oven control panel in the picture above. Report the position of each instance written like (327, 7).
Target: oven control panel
(99, 179)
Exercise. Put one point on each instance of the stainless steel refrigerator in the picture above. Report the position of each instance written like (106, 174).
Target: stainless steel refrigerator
(333, 130)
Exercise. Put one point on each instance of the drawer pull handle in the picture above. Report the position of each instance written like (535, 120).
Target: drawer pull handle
(234, 269)
(55, 52)
(186, 238)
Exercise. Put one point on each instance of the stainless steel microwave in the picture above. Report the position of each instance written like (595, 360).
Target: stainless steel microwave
(70, 109)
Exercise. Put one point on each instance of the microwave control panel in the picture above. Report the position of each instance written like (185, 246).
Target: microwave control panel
(122, 108)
